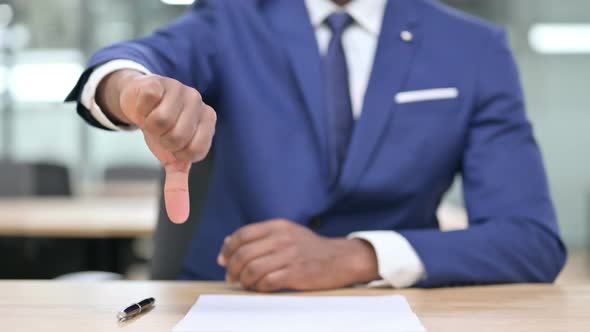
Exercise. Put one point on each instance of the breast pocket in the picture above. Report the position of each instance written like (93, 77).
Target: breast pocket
(424, 119)
(417, 96)
(424, 136)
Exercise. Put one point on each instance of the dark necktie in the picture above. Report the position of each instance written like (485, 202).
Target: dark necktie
(339, 106)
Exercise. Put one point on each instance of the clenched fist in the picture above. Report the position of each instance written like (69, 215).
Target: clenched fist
(280, 254)
(177, 125)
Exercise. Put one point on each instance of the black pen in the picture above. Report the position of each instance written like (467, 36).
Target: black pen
(136, 309)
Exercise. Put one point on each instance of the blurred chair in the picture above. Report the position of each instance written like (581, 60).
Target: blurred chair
(33, 179)
(117, 254)
(39, 258)
(171, 241)
(130, 173)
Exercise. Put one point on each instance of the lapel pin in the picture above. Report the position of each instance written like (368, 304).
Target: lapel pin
(406, 36)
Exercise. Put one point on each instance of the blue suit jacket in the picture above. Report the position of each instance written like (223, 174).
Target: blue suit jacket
(257, 63)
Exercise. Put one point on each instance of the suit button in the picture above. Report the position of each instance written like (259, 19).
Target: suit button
(316, 223)
(406, 36)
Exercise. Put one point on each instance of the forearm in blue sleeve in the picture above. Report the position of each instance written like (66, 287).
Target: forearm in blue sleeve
(513, 234)
(184, 50)
(499, 251)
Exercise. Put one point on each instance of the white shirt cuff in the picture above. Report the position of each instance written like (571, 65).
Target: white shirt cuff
(89, 92)
(399, 264)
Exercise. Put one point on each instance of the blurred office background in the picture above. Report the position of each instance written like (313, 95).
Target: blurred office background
(44, 45)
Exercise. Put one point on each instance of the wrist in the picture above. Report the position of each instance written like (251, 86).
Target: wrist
(359, 261)
(108, 94)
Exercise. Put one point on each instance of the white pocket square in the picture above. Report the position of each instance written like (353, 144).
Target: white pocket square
(425, 95)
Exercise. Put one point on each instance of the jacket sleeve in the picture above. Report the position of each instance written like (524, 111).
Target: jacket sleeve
(513, 235)
(184, 50)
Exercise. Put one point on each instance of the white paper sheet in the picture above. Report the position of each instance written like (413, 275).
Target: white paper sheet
(237, 313)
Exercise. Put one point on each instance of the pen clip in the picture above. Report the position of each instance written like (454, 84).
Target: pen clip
(122, 316)
(135, 309)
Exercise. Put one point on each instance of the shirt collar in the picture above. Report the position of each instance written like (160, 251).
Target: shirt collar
(366, 13)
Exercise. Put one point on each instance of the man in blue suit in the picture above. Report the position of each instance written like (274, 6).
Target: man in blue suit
(339, 127)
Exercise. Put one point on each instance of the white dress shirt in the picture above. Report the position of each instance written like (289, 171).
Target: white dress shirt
(399, 264)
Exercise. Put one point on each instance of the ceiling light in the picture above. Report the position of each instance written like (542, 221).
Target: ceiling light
(178, 2)
(560, 38)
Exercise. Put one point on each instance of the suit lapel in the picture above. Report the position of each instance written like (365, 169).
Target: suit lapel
(391, 66)
(290, 21)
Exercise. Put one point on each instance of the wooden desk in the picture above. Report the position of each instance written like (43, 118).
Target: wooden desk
(64, 307)
(94, 217)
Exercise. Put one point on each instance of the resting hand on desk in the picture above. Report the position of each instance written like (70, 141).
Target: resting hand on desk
(177, 125)
(280, 254)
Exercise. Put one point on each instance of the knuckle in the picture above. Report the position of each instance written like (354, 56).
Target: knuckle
(268, 284)
(202, 154)
(151, 88)
(198, 152)
(227, 252)
(228, 246)
(214, 116)
(175, 140)
(283, 223)
(225, 245)
(251, 269)
(281, 227)
(171, 83)
(210, 114)
(236, 239)
(241, 256)
(149, 95)
(194, 96)
(243, 235)
(274, 224)
(158, 121)
(284, 240)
